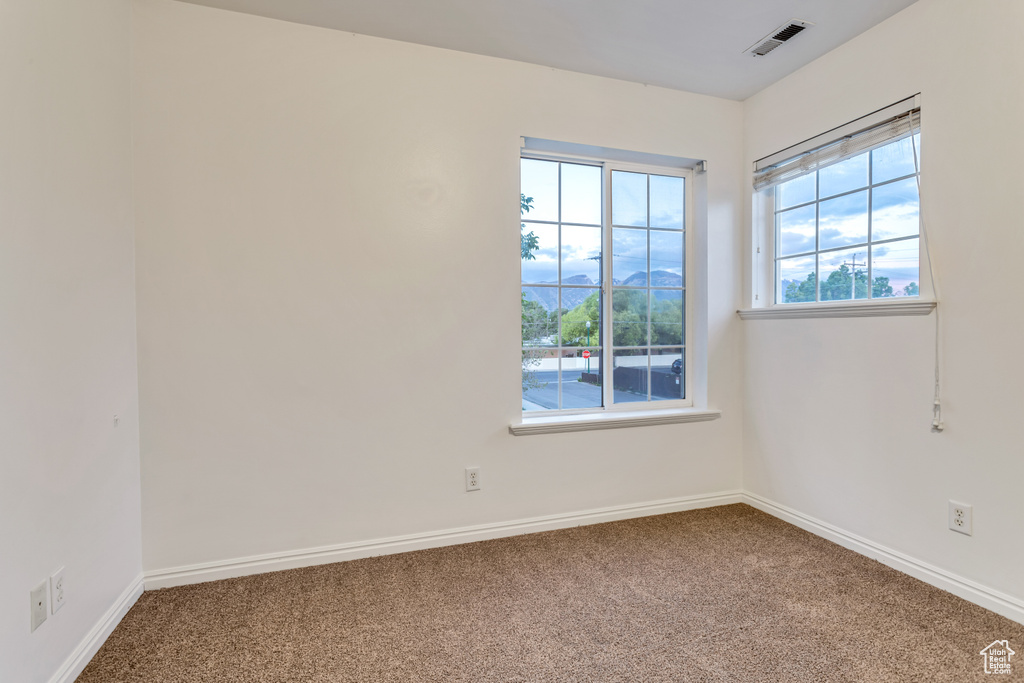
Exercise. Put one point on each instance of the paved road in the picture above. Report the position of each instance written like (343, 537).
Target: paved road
(575, 394)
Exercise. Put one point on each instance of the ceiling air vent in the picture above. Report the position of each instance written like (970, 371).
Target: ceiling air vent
(778, 37)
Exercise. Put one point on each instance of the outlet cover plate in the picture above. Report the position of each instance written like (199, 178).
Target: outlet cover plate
(57, 597)
(961, 518)
(472, 478)
(40, 606)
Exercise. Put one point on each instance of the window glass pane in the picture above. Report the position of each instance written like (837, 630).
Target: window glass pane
(579, 307)
(540, 324)
(892, 161)
(540, 379)
(581, 194)
(581, 378)
(666, 317)
(894, 210)
(851, 174)
(629, 378)
(629, 256)
(895, 268)
(833, 267)
(796, 229)
(581, 255)
(844, 275)
(629, 198)
(546, 297)
(666, 202)
(797, 191)
(629, 317)
(539, 180)
(666, 258)
(843, 220)
(667, 375)
(540, 358)
(543, 267)
(796, 278)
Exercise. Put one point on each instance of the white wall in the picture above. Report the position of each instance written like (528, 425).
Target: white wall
(306, 197)
(838, 411)
(69, 487)
(300, 190)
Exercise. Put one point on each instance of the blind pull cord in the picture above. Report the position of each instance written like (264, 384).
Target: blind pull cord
(937, 424)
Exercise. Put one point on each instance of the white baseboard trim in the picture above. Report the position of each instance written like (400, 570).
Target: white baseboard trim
(244, 566)
(99, 633)
(1000, 603)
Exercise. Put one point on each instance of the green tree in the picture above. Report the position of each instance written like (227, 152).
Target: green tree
(529, 242)
(629, 306)
(911, 289)
(536, 326)
(666, 322)
(841, 285)
(574, 323)
(535, 320)
(800, 292)
(881, 287)
(837, 287)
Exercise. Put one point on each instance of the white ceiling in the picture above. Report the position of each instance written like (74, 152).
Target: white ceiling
(694, 45)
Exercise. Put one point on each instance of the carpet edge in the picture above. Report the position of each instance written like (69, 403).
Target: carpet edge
(98, 634)
(1001, 603)
(245, 566)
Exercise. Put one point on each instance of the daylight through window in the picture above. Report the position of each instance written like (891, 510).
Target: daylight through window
(848, 228)
(603, 285)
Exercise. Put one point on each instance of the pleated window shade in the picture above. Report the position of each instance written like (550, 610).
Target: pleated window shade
(901, 126)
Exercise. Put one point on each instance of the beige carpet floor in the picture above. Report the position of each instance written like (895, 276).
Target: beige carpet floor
(721, 594)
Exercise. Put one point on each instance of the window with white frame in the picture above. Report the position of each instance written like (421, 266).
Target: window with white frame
(844, 216)
(604, 282)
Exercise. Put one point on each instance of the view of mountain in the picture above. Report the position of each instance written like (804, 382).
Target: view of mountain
(659, 278)
(571, 297)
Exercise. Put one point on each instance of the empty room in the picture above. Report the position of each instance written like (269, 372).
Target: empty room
(266, 416)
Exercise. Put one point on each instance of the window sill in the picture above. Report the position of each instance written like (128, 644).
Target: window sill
(582, 423)
(840, 310)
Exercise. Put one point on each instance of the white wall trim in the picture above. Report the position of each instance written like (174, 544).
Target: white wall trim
(610, 420)
(99, 633)
(1000, 603)
(258, 564)
(839, 310)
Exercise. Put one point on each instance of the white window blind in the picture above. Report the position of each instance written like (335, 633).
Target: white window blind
(840, 149)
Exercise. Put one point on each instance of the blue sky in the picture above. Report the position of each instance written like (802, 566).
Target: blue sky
(581, 203)
(844, 221)
(840, 221)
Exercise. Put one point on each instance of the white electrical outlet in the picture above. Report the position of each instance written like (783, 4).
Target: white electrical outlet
(40, 608)
(472, 478)
(57, 590)
(961, 518)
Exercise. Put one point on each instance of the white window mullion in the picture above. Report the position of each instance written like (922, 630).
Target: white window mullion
(558, 297)
(817, 237)
(871, 199)
(607, 388)
(690, 310)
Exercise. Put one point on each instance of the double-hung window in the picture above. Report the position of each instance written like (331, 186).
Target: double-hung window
(844, 216)
(604, 285)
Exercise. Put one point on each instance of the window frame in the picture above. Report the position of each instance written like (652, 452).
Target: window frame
(867, 246)
(607, 347)
(766, 297)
